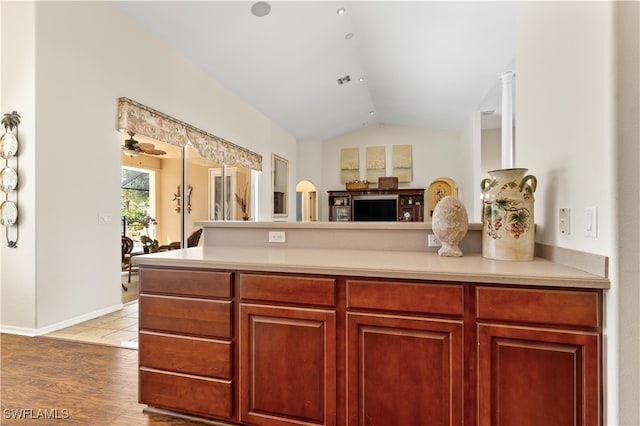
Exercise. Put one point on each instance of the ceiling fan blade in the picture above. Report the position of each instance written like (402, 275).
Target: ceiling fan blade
(155, 152)
(149, 148)
(145, 145)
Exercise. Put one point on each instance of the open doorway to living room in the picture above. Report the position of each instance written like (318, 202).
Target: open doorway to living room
(139, 232)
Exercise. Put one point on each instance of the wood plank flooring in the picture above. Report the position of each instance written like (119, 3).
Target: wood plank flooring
(79, 383)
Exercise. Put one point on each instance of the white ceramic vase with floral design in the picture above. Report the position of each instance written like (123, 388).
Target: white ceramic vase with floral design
(508, 227)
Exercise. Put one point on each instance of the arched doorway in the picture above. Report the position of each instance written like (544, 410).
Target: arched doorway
(306, 202)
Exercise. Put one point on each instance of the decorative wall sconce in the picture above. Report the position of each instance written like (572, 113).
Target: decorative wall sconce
(177, 197)
(9, 176)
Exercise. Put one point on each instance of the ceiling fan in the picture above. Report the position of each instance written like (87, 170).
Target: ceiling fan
(132, 147)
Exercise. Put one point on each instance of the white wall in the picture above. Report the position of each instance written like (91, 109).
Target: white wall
(491, 150)
(86, 56)
(309, 162)
(469, 160)
(18, 279)
(567, 138)
(565, 117)
(436, 153)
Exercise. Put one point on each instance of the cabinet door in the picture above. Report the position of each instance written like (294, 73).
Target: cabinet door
(531, 377)
(340, 213)
(404, 371)
(287, 366)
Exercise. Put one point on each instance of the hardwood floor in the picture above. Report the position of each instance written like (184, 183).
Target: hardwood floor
(47, 381)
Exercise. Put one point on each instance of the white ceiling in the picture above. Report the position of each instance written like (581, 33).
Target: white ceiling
(424, 63)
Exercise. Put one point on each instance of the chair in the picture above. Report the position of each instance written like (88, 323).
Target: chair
(192, 241)
(127, 247)
(194, 238)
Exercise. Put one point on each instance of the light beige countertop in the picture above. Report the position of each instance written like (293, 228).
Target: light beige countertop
(378, 263)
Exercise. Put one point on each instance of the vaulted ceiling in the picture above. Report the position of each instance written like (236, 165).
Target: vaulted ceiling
(416, 63)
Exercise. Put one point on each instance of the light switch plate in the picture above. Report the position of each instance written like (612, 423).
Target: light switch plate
(591, 222)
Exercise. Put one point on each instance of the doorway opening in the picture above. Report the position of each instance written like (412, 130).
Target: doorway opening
(138, 204)
(306, 202)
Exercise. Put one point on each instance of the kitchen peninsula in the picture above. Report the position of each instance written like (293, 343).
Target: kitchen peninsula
(362, 323)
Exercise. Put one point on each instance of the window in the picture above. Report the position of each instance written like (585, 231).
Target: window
(138, 202)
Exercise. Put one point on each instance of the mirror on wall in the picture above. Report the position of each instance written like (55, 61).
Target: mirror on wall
(279, 185)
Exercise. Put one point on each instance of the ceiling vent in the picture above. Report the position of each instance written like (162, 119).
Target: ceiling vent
(344, 79)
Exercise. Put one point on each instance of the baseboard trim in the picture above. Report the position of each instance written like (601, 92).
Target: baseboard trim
(177, 415)
(32, 332)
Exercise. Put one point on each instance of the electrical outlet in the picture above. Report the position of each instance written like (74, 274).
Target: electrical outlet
(433, 241)
(277, 237)
(565, 221)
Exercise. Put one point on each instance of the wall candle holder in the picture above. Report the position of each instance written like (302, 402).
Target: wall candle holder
(177, 198)
(9, 148)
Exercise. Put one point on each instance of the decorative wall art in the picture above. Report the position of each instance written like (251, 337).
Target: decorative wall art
(9, 149)
(402, 162)
(349, 164)
(438, 189)
(376, 166)
(177, 198)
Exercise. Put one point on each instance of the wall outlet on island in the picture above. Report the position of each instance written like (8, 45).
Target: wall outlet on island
(277, 237)
(433, 241)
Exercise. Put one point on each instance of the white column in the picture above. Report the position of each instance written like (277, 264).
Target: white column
(184, 196)
(508, 149)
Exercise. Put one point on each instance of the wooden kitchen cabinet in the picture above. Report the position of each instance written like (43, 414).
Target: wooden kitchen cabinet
(404, 371)
(277, 349)
(287, 353)
(538, 357)
(405, 350)
(185, 346)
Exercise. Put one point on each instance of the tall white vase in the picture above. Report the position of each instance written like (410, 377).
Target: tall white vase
(508, 227)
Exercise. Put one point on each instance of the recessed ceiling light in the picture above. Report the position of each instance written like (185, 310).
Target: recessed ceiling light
(349, 36)
(341, 11)
(361, 79)
(260, 9)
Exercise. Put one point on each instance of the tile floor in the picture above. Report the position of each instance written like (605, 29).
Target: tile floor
(119, 328)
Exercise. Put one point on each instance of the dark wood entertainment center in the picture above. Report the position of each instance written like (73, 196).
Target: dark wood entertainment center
(410, 203)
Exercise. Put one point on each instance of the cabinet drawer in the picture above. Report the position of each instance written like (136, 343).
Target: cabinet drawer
(406, 297)
(288, 289)
(181, 392)
(186, 282)
(552, 307)
(202, 317)
(191, 355)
